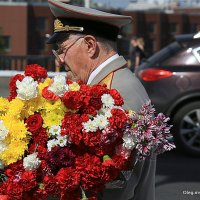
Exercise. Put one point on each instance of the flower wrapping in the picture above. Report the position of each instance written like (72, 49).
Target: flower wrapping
(68, 139)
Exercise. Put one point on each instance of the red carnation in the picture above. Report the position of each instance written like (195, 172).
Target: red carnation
(68, 179)
(119, 101)
(12, 86)
(72, 126)
(14, 191)
(42, 151)
(73, 100)
(34, 122)
(40, 193)
(14, 168)
(47, 94)
(92, 138)
(98, 90)
(92, 96)
(91, 172)
(3, 197)
(43, 170)
(120, 162)
(41, 138)
(100, 150)
(50, 185)
(118, 119)
(36, 71)
(28, 180)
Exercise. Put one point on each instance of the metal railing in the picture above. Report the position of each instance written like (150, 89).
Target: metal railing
(20, 62)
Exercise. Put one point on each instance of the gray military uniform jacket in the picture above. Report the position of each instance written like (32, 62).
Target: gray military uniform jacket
(141, 183)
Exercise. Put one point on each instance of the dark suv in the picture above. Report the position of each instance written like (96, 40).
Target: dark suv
(172, 80)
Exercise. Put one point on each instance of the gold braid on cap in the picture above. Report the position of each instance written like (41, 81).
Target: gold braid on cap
(59, 27)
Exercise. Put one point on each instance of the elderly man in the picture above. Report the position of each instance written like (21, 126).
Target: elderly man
(86, 40)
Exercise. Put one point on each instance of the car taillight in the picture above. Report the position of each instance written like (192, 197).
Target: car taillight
(154, 74)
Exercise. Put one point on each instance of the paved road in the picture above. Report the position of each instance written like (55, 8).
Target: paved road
(177, 177)
(4, 85)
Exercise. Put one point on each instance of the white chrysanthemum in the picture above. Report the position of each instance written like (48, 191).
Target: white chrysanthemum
(129, 141)
(101, 121)
(31, 162)
(1, 165)
(27, 88)
(90, 126)
(51, 144)
(107, 100)
(108, 113)
(59, 86)
(3, 131)
(55, 130)
(3, 146)
(62, 141)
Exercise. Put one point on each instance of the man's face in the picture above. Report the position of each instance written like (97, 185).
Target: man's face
(73, 55)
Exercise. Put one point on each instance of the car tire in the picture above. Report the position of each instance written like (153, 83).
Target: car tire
(186, 128)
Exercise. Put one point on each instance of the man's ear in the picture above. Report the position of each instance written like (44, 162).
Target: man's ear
(91, 45)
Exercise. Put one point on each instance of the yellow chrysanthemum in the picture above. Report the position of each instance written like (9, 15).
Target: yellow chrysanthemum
(74, 86)
(46, 83)
(16, 105)
(52, 118)
(17, 129)
(14, 152)
(4, 105)
(32, 106)
(54, 105)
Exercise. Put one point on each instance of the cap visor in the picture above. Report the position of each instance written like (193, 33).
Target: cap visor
(53, 39)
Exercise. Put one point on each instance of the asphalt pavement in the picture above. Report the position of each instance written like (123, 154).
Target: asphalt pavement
(4, 86)
(177, 177)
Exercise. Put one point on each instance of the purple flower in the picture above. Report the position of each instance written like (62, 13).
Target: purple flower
(152, 133)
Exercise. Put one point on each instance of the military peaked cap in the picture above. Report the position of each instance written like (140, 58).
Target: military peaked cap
(70, 18)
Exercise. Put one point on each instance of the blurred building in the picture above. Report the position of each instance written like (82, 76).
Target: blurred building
(158, 24)
(25, 25)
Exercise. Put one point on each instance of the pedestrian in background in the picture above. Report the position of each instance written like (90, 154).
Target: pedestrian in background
(137, 53)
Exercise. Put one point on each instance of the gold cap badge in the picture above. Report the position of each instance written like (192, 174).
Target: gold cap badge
(59, 27)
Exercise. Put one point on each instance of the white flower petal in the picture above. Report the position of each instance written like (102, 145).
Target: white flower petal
(90, 126)
(129, 141)
(3, 131)
(59, 86)
(55, 130)
(31, 162)
(101, 121)
(107, 100)
(51, 144)
(27, 88)
(62, 141)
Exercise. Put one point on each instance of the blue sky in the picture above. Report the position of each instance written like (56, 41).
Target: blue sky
(114, 3)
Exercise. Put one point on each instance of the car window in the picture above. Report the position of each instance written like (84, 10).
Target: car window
(165, 53)
(196, 53)
(183, 58)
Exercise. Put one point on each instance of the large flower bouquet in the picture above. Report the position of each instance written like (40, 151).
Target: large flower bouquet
(68, 139)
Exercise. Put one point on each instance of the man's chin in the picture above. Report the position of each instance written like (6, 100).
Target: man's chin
(71, 76)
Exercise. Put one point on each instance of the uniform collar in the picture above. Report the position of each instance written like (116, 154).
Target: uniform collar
(114, 65)
(100, 67)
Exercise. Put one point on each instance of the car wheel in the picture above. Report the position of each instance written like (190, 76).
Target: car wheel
(186, 128)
